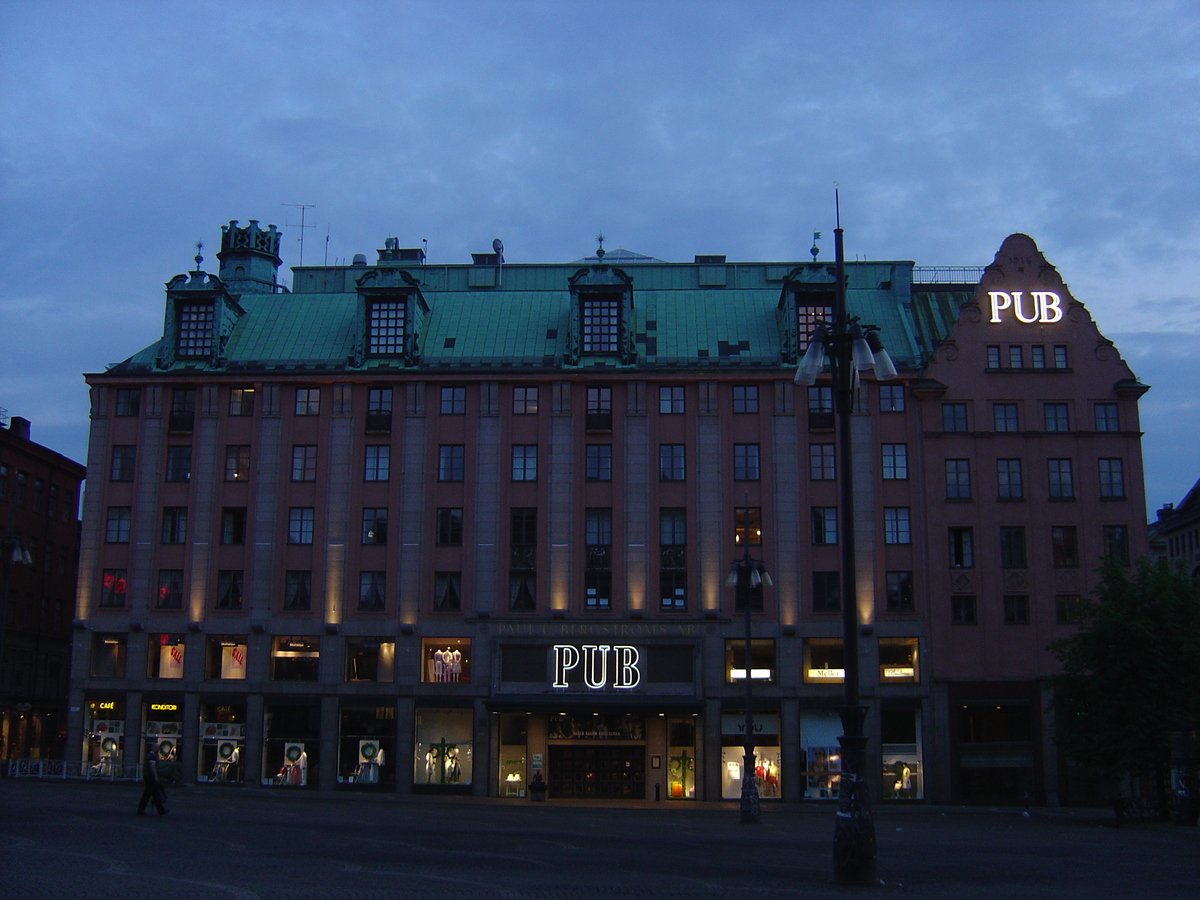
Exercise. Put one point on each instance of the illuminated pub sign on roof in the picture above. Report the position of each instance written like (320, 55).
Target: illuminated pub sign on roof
(601, 666)
(1041, 306)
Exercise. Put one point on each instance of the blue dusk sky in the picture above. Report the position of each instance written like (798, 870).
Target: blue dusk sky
(131, 130)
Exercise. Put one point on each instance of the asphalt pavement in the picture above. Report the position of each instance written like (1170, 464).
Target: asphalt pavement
(84, 840)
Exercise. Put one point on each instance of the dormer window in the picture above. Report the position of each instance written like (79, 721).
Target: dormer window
(601, 323)
(195, 330)
(808, 317)
(386, 327)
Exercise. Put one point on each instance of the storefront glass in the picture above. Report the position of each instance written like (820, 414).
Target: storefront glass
(442, 753)
(898, 661)
(366, 746)
(824, 661)
(819, 732)
(768, 769)
(903, 775)
(370, 659)
(446, 660)
(104, 739)
(295, 658)
(162, 720)
(291, 750)
(108, 656)
(762, 660)
(226, 657)
(222, 742)
(681, 759)
(514, 730)
(164, 656)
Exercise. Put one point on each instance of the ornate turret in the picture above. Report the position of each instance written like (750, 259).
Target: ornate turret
(249, 258)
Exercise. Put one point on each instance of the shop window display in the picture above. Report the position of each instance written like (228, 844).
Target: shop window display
(514, 746)
(163, 728)
(370, 659)
(292, 744)
(824, 661)
(105, 736)
(226, 658)
(898, 661)
(903, 775)
(767, 759)
(164, 656)
(681, 759)
(442, 757)
(366, 746)
(762, 660)
(446, 660)
(822, 755)
(222, 742)
(295, 658)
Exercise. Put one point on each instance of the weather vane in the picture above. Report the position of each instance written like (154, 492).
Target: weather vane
(600, 249)
(199, 259)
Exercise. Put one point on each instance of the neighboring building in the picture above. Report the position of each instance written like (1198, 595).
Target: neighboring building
(438, 528)
(1175, 534)
(39, 556)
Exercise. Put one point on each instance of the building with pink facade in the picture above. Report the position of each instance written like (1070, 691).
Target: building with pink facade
(444, 528)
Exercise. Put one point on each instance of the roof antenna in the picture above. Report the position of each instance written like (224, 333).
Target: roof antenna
(326, 243)
(498, 249)
(302, 207)
(425, 249)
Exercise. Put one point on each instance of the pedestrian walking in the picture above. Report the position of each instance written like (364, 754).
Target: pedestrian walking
(152, 789)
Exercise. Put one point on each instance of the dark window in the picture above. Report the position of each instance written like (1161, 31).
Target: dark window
(895, 462)
(179, 462)
(670, 399)
(454, 401)
(237, 462)
(826, 592)
(1016, 609)
(123, 457)
(308, 401)
(1060, 356)
(962, 610)
(229, 589)
(1056, 416)
(1012, 547)
(377, 462)
(523, 538)
(745, 398)
(297, 590)
(1004, 417)
(962, 547)
(304, 462)
(451, 462)
(598, 462)
(891, 398)
(673, 589)
(747, 519)
(449, 526)
(241, 401)
(1106, 417)
(116, 529)
(808, 317)
(672, 538)
(821, 465)
(374, 525)
(1065, 541)
(958, 479)
(379, 410)
(525, 401)
(896, 526)
(385, 327)
(820, 407)
(1062, 486)
(1008, 479)
(671, 463)
(1116, 543)
(113, 583)
(993, 356)
(129, 401)
(599, 409)
(1068, 609)
(601, 324)
(954, 417)
(1038, 355)
(183, 410)
(597, 530)
(170, 589)
(597, 590)
(522, 593)
(371, 591)
(824, 524)
(745, 462)
(524, 462)
(1112, 479)
(1015, 357)
(195, 330)
(900, 594)
(300, 525)
(233, 525)
(447, 591)
(174, 524)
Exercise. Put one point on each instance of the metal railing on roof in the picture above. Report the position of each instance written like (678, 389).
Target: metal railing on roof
(947, 274)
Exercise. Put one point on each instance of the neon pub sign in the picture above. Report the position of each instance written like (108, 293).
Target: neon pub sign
(595, 658)
(1042, 306)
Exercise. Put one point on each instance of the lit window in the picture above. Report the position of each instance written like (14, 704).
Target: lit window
(747, 520)
(374, 525)
(808, 317)
(241, 402)
(237, 462)
(525, 401)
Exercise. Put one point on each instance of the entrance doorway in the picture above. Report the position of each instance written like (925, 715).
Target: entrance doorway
(597, 772)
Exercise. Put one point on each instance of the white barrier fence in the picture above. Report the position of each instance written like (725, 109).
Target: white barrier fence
(65, 770)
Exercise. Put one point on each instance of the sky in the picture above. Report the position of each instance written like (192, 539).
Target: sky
(131, 130)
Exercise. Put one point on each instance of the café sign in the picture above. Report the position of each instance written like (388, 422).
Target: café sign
(604, 665)
(1042, 306)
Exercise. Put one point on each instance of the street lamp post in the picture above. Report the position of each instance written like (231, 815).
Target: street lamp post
(746, 576)
(851, 348)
